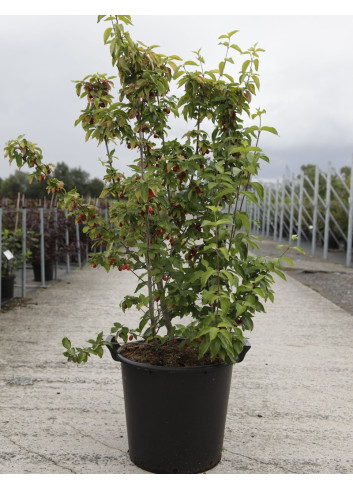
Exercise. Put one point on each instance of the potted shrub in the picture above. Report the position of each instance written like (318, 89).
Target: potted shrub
(178, 223)
(55, 248)
(12, 258)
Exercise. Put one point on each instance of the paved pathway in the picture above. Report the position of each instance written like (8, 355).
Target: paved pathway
(290, 409)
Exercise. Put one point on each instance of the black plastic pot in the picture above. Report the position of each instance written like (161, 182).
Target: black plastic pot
(7, 287)
(175, 415)
(48, 271)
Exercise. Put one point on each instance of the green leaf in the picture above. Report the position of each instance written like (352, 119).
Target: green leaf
(213, 332)
(269, 129)
(280, 274)
(204, 346)
(228, 275)
(245, 66)
(208, 223)
(144, 192)
(225, 305)
(298, 248)
(66, 343)
(288, 260)
(252, 197)
(206, 275)
(245, 220)
(236, 47)
(221, 222)
(190, 63)
(259, 189)
(256, 81)
(230, 34)
(107, 34)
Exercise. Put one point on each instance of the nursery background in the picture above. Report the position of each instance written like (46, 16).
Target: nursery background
(305, 71)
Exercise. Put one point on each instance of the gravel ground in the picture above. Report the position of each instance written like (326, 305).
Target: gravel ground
(329, 278)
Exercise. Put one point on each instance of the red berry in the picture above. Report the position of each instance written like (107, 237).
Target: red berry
(157, 299)
(164, 278)
(150, 210)
(131, 337)
(94, 265)
(99, 235)
(175, 341)
(198, 190)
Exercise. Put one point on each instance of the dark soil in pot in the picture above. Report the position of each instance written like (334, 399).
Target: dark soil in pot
(169, 354)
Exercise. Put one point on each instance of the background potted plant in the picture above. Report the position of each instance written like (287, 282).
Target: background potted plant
(178, 223)
(12, 258)
(55, 247)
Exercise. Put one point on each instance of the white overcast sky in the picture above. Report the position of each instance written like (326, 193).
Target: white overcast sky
(306, 76)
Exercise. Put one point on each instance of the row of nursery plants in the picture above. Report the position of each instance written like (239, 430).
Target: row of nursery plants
(37, 233)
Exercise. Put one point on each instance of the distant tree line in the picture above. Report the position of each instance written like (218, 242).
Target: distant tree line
(72, 178)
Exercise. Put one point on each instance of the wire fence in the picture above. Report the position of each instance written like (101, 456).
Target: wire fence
(318, 208)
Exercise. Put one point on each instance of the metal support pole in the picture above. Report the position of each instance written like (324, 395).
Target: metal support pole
(56, 242)
(276, 213)
(78, 243)
(67, 242)
(315, 210)
(263, 223)
(350, 222)
(250, 215)
(42, 250)
(0, 249)
(268, 211)
(291, 210)
(300, 211)
(24, 250)
(282, 210)
(327, 213)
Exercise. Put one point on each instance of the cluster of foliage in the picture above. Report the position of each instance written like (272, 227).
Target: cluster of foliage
(72, 178)
(178, 223)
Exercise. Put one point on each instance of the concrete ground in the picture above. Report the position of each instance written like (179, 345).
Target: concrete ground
(290, 407)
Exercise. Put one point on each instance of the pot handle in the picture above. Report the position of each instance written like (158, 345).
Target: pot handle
(113, 347)
(244, 351)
